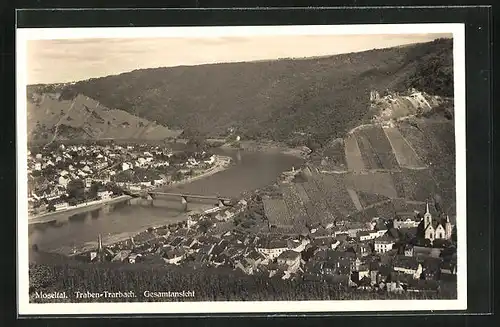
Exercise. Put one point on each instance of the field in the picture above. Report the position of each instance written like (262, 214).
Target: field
(370, 158)
(434, 142)
(353, 154)
(277, 212)
(419, 185)
(335, 193)
(376, 148)
(368, 199)
(332, 157)
(403, 152)
(355, 198)
(294, 204)
(375, 182)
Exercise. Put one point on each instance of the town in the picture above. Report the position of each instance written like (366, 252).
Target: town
(407, 252)
(63, 177)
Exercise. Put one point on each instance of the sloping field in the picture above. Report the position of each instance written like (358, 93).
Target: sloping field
(370, 157)
(405, 155)
(335, 192)
(355, 198)
(304, 198)
(353, 154)
(277, 212)
(380, 146)
(318, 200)
(294, 204)
(334, 154)
(434, 142)
(374, 182)
(419, 185)
(367, 199)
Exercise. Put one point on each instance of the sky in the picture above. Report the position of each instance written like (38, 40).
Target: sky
(70, 60)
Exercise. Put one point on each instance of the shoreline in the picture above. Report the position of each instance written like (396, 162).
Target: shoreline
(267, 147)
(49, 216)
(222, 163)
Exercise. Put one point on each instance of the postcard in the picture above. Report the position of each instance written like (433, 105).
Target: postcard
(266, 169)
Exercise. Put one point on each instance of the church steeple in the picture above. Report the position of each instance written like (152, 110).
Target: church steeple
(99, 243)
(448, 228)
(427, 216)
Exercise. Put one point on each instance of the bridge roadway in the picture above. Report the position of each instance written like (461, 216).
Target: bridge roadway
(191, 196)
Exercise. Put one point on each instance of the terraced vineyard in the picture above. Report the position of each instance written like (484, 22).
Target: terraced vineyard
(335, 192)
(391, 170)
(294, 204)
(403, 152)
(380, 146)
(353, 154)
(368, 199)
(277, 212)
(373, 182)
(371, 159)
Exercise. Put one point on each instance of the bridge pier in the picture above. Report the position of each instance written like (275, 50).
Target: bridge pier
(184, 202)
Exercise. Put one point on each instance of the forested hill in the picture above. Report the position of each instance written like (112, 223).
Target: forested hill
(271, 99)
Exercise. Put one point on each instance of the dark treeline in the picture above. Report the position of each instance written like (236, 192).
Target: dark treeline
(209, 284)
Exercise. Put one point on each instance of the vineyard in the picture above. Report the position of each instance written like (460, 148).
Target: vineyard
(374, 182)
(376, 151)
(405, 155)
(277, 212)
(208, 284)
(353, 154)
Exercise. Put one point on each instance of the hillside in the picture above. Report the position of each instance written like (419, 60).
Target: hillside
(50, 118)
(322, 97)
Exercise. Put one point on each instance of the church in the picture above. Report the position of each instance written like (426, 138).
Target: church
(437, 228)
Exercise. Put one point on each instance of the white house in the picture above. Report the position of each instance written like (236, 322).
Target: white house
(61, 206)
(104, 194)
(38, 166)
(125, 166)
(63, 181)
(383, 245)
(211, 160)
(273, 248)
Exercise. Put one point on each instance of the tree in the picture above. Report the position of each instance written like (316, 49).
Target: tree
(93, 190)
(76, 189)
(178, 176)
(204, 225)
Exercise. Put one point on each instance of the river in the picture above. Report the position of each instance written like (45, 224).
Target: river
(250, 170)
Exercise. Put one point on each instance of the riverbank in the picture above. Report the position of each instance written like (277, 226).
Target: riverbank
(221, 164)
(49, 216)
(268, 147)
(112, 239)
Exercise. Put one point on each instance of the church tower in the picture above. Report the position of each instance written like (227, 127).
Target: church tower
(448, 228)
(100, 249)
(427, 217)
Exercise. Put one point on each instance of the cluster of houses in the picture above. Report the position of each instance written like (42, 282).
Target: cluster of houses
(371, 260)
(130, 166)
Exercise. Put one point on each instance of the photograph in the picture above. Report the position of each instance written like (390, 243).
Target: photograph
(241, 169)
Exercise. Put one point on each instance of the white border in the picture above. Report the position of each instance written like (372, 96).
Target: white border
(26, 308)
